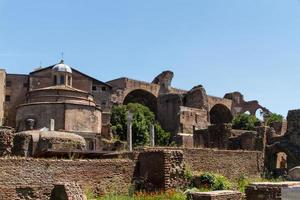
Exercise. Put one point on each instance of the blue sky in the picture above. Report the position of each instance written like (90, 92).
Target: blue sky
(251, 46)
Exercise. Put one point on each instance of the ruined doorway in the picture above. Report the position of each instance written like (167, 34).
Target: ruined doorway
(220, 114)
(281, 160)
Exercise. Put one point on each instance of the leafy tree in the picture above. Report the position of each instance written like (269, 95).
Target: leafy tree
(142, 119)
(272, 117)
(245, 122)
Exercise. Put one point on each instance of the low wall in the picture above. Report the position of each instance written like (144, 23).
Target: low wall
(34, 178)
(230, 163)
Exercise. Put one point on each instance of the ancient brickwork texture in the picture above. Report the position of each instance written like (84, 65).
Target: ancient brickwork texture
(67, 191)
(269, 190)
(216, 195)
(6, 140)
(35, 178)
(16, 90)
(161, 169)
(231, 164)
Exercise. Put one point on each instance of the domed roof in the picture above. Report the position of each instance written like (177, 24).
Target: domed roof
(62, 67)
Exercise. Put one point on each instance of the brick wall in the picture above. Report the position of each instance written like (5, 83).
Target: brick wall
(35, 177)
(230, 163)
(16, 91)
(2, 95)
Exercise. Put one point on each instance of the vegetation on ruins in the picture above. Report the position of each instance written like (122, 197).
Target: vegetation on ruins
(142, 119)
(245, 122)
(271, 118)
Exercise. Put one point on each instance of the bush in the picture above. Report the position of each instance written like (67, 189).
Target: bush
(272, 118)
(142, 119)
(213, 181)
(245, 122)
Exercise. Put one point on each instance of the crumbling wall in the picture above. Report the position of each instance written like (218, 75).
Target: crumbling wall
(192, 118)
(222, 136)
(168, 106)
(166, 173)
(197, 98)
(231, 164)
(36, 177)
(288, 144)
(6, 140)
(63, 191)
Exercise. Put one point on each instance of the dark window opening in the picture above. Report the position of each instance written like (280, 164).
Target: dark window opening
(103, 88)
(94, 88)
(25, 85)
(8, 83)
(103, 103)
(62, 80)
(55, 80)
(69, 80)
(7, 98)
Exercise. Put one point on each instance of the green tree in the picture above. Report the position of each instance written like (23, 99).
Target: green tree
(245, 122)
(142, 119)
(272, 118)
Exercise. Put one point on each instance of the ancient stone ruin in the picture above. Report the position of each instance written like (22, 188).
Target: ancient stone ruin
(56, 138)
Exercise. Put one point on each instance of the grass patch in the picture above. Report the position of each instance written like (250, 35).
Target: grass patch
(169, 195)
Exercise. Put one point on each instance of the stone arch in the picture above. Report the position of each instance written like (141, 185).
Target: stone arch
(143, 97)
(259, 114)
(219, 113)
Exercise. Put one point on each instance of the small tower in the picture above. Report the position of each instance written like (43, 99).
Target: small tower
(62, 74)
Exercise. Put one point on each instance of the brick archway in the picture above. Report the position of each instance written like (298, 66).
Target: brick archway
(143, 97)
(219, 113)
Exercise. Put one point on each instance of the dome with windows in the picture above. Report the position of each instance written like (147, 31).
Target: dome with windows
(62, 67)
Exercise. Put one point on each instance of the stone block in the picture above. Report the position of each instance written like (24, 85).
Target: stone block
(269, 190)
(215, 195)
(184, 140)
(294, 174)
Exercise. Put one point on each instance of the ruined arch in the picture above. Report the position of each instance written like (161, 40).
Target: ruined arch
(143, 97)
(259, 114)
(220, 114)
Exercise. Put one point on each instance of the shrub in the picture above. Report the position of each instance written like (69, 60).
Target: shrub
(142, 119)
(213, 181)
(272, 117)
(242, 183)
(245, 122)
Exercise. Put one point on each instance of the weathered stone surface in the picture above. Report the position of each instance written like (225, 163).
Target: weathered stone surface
(67, 191)
(6, 140)
(32, 143)
(166, 173)
(231, 164)
(35, 178)
(294, 174)
(288, 144)
(268, 190)
(215, 195)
